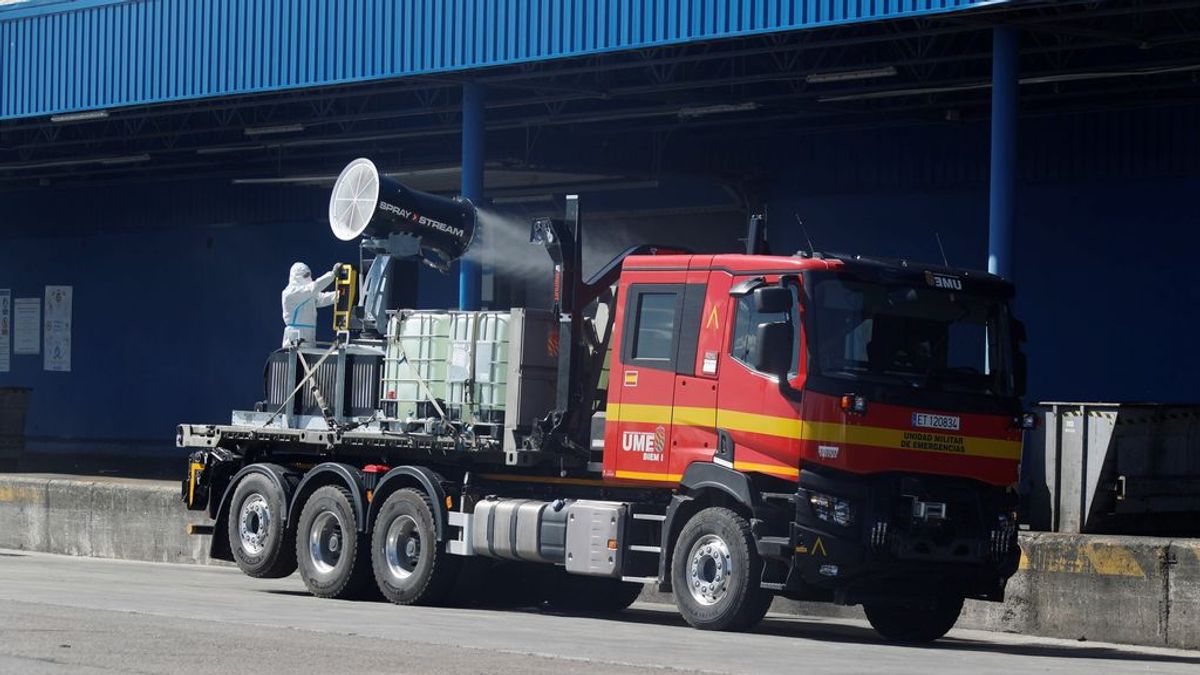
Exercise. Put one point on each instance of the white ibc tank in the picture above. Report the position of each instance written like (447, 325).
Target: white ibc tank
(482, 368)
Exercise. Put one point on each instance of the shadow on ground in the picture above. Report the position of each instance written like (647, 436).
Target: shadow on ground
(809, 628)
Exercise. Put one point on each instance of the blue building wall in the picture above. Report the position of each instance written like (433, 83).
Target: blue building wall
(177, 285)
(176, 298)
(1107, 230)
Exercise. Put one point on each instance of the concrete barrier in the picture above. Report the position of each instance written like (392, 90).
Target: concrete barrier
(104, 518)
(1138, 590)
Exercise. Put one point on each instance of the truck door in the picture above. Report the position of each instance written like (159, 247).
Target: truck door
(764, 426)
(702, 323)
(637, 436)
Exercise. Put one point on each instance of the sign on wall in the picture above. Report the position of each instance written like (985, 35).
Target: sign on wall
(57, 355)
(5, 329)
(27, 325)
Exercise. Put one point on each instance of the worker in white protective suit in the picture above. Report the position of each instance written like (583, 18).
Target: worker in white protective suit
(301, 299)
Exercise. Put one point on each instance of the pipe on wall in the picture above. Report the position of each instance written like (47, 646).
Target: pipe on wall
(473, 98)
(1005, 73)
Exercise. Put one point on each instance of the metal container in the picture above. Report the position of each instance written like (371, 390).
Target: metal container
(533, 366)
(595, 531)
(348, 381)
(1115, 468)
(513, 529)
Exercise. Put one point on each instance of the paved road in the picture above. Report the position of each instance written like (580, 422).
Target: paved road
(60, 614)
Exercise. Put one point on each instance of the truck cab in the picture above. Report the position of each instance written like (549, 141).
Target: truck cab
(873, 407)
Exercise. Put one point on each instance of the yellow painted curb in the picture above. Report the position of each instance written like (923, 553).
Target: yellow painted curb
(1110, 560)
(20, 494)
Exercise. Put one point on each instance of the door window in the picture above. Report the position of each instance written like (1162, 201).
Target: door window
(655, 326)
(652, 321)
(744, 345)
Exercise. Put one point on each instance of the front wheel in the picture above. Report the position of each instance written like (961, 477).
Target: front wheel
(715, 572)
(914, 622)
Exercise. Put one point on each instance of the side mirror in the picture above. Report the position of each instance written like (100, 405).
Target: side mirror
(772, 300)
(775, 343)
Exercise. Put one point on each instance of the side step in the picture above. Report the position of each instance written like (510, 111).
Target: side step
(779, 548)
(640, 580)
(650, 516)
(194, 529)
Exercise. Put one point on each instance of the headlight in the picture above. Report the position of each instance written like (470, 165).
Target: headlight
(831, 509)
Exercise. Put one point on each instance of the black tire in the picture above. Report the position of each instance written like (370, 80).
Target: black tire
(575, 593)
(334, 560)
(732, 599)
(410, 565)
(261, 543)
(914, 623)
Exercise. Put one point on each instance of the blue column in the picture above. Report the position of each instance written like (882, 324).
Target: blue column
(1005, 67)
(472, 184)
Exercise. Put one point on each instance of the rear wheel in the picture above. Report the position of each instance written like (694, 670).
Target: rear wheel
(259, 539)
(333, 559)
(410, 566)
(914, 622)
(715, 572)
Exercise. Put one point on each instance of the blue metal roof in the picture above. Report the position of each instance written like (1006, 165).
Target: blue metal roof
(74, 55)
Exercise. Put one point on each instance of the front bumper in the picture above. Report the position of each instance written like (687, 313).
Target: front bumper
(911, 535)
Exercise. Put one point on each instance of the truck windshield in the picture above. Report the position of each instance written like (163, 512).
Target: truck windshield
(916, 335)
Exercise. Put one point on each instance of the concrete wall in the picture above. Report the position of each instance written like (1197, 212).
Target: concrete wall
(113, 518)
(1113, 589)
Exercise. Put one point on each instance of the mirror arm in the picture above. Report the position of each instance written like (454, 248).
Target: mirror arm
(789, 392)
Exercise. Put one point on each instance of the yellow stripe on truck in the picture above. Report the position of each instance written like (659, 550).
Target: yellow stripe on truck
(774, 469)
(648, 475)
(820, 432)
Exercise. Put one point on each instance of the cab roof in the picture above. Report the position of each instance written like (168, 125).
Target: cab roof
(894, 269)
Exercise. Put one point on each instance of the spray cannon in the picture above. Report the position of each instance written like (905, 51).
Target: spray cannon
(397, 220)
(392, 222)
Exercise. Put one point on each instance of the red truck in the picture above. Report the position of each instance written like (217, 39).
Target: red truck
(728, 428)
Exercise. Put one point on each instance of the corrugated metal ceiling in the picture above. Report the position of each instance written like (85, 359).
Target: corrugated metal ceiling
(62, 56)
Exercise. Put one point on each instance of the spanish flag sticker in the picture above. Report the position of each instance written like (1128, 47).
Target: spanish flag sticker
(631, 378)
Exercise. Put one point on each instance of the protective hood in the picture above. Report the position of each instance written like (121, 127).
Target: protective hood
(299, 274)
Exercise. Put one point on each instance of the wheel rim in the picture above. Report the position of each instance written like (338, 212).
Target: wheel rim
(402, 548)
(254, 522)
(710, 568)
(326, 541)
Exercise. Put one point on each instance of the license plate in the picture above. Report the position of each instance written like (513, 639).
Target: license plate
(930, 421)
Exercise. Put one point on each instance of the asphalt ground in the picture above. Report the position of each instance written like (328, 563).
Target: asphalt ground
(61, 614)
